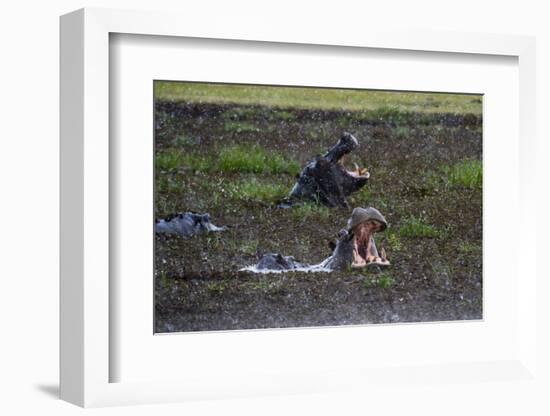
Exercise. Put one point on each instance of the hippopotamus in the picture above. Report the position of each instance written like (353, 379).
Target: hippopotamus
(186, 224)
(325, 179)
(355, 247)
(275, 261)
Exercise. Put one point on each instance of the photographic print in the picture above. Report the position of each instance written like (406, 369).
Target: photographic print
(288, 206)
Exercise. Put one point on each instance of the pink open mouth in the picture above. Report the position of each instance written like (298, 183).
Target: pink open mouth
(364, 251)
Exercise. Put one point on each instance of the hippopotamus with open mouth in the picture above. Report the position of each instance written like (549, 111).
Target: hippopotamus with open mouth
(326, 180)
(355, 247)
(186, 224)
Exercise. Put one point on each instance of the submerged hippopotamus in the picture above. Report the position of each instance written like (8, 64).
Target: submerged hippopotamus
(326, 180)
(186, 224)
(275, 261)
(355, 247)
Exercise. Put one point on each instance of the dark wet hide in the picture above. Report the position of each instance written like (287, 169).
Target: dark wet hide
(325, 180)
(186, 225)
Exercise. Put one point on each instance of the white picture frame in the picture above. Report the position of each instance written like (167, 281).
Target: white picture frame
(85, 211)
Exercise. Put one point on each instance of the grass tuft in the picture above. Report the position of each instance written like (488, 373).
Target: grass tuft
(252, 189)
(216, 288)
(466, 247)
(383, 281)
(416, 228)
(172, 161)
(248, 247)
(241, 159)
(240, 127)
(394, 241)
(468, 173)
(168, 161)
(309, 210)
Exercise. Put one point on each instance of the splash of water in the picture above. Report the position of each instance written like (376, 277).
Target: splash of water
(314, 268)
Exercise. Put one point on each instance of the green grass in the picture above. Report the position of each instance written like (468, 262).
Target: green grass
(318, 98)
(309, 210)
(167, 184)
(383, 281)
(172, 161)
(240, 127)
(233, 159)
(466, 247)
(414, 227)
(255, 159)
(164, 281)
(468, 173)
(284, 115)
(216, 288)
(394, 241)
(168, 161)
(402, 132)
(254, 189)
(266, 285)
(248, 247)
(181, 140)
(362, 196)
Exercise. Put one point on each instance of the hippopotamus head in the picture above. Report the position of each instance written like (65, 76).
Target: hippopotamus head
(326, 180)
(356, 247)
(186, 224)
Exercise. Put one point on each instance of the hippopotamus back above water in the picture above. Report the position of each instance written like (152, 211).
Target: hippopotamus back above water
(275, 261)
(186, 225)
(326, 180)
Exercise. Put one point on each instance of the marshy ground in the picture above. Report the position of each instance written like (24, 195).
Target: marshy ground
(237, 158)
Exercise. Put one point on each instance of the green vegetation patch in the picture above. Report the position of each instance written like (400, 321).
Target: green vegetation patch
(232, 159)
(309, 210)
(387, 103)
(467, 247)
(174, 160)
(254, 189)
(266, 285)
(414, 227)
(255, 159)
(240, 127)
(468, 173)
(394, 241)
(383, 281)
(217, 288)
